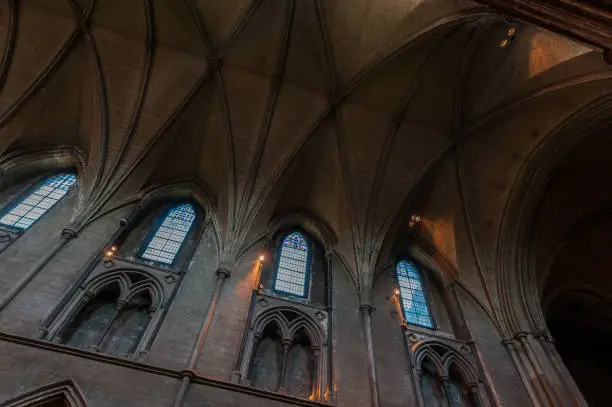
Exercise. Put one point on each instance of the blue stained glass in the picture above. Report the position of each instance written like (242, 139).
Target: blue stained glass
(292, 269)
(35, 205)
(169, 236)
(412, 295)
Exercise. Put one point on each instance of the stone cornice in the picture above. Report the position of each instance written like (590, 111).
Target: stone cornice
(580, 20)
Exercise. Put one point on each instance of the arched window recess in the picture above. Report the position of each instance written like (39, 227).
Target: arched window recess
(283, 353)
(115, 313)
(446, 377)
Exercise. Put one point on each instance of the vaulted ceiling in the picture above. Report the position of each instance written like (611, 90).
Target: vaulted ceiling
(340, 108)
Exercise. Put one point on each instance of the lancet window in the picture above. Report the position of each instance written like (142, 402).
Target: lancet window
(412, 295)
(33, 206)
(292, 274)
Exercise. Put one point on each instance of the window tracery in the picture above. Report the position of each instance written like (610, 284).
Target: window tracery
(445, 376)
(284, 354)
(292, 269)
(38, 202)
(170, 235)
(114, 314)
(412, 295)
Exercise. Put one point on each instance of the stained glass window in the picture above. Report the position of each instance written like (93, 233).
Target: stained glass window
(35, 205)
(292, 270)
(414, 303)
(169, 236)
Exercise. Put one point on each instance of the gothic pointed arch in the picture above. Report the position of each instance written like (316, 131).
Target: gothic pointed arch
(65, 393)
(284, 350)
(446, 374)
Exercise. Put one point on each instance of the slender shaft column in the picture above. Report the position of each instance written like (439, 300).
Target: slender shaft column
(46, 326)
(66, 235)
(509, 344)
(447, 391)
(189, 372)
(564, 376)
(490, 389)
(286, 343)
(329, 396)
(475, 392)
(238, 366)
(256, 341)
(314, 393)
(366, 317)
(416, 376)
(88, 296)
(522, 337)
(121, 303)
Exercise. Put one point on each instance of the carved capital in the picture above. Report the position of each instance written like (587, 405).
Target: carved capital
(508, 343)
(367, 308)
(222, 273)
(121, 303)
(521, 336)
(68, 233)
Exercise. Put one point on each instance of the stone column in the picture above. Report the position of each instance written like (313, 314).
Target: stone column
(65, 237)
(366, 318)
(532, 359)
(121, 303)
(509, 344)
(48, 331)
(315, 373)
(475, 392)
(286, 344)
(447, 391)
(189, 372)
(564, 376)
(330, 328)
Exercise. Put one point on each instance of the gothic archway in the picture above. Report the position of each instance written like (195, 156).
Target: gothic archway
(65, 393)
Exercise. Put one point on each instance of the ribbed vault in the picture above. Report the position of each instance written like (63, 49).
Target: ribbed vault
(340, 108)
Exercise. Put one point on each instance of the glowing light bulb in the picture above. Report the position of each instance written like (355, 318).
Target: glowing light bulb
(114, 248)
(262, 258)
(396, 291)
(109, 253)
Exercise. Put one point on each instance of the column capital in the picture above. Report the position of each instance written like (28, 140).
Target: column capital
(121, 303)
(521, 335)
(68, 233)
(367, 308)
(222, 273)
(508, 343)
